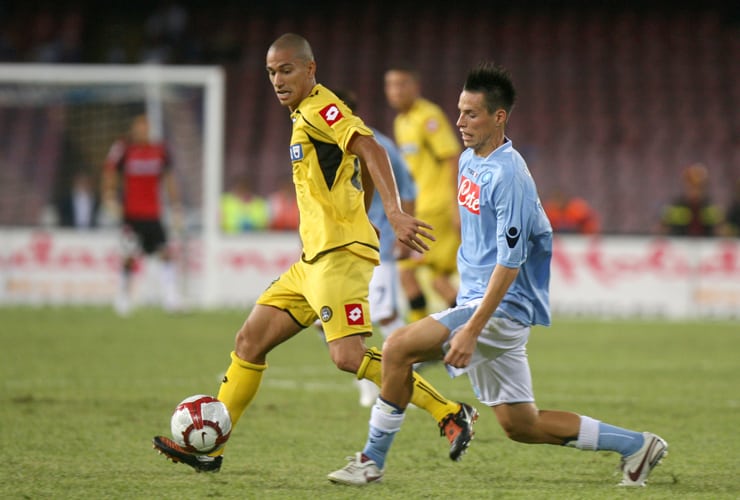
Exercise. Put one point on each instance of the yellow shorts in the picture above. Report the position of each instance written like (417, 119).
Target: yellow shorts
(441, 258)
(333, 289)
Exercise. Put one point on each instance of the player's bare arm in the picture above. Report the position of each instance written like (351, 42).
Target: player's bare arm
(173, 195)
(109, 191)
(463, 343)
(408, 229)
(368, 186)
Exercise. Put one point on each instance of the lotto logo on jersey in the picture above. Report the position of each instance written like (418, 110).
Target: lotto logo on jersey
(296, 152)
(331, 114)
(468, 195)
(432, 125)
(354, 315)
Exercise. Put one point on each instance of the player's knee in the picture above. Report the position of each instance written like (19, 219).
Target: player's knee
(240, 342)
(248, 348)
(348, 352)
(346, 362)
(395, 348)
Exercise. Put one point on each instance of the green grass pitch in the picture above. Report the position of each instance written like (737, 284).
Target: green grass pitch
(84, 391)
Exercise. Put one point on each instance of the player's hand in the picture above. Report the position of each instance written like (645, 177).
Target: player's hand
(410, 231)
(462, 346)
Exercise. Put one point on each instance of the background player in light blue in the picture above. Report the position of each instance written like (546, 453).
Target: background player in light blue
(504, 266)
(383, 294)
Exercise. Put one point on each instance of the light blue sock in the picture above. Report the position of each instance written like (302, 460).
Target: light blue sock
(617, 439)
(385, 422)
(596, 435)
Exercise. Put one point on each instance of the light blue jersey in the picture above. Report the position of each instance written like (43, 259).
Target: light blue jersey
(406, 189)
(502, 222)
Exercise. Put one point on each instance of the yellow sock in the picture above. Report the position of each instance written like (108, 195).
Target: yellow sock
(238, 388)
(424, 395)
(416, 314)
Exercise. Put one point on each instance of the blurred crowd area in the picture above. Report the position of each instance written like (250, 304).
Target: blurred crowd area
(617, 100)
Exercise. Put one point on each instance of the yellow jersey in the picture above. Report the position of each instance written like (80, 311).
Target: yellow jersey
(328, 178)
(425, 137)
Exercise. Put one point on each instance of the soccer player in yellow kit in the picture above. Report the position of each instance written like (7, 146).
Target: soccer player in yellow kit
(333, 155)
(431, 149)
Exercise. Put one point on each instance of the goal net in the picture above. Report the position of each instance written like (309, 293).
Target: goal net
(58, 120)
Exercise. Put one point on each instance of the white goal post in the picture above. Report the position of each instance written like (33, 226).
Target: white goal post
(153, 78)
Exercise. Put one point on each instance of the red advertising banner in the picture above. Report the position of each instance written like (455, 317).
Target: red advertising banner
(596, 276)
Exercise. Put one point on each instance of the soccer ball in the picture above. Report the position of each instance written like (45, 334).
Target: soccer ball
(201, 424)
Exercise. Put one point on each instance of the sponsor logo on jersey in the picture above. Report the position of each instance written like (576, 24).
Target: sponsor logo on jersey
(140, 166)
(331, 114)
(512, 236)
(432, 125)
(326, 314)
(296, 152)
(468, 195)
(354, 314)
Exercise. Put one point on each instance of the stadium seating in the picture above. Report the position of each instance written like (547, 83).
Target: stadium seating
(613, 103)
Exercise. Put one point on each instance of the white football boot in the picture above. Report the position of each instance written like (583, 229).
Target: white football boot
(637, 467)
(358, 472)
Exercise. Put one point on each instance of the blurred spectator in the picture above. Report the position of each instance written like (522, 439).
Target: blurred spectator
(571, 214)
(78, 208)
(8, 43)
(166, 29)
(169, 21)
(243, 210)
(224, 45)
(692, 213)
(69, 38)
(732, 217)
(284, 214)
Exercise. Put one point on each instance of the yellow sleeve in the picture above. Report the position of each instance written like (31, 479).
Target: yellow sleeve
(440, 137)
(333, 119)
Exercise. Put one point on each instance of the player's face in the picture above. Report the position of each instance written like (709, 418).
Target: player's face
(292, 78)
(401, 89)
(140, 129)
(480, 130)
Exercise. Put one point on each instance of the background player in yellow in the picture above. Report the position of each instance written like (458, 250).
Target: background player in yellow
(336, 161)
(431, 149)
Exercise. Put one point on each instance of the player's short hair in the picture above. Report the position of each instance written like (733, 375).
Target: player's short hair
(404, 67)
(495, 84)
(299, 45)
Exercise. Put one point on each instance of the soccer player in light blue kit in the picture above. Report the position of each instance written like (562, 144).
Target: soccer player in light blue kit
(383, 292)
(504, 266)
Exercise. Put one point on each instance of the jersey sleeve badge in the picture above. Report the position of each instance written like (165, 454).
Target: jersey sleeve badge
(331, 114)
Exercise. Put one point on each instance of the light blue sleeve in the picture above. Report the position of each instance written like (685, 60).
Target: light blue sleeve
(404, 181)
(406, 185)
(509, 196)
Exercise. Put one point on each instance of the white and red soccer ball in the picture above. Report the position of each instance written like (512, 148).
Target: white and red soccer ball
(201, 424)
